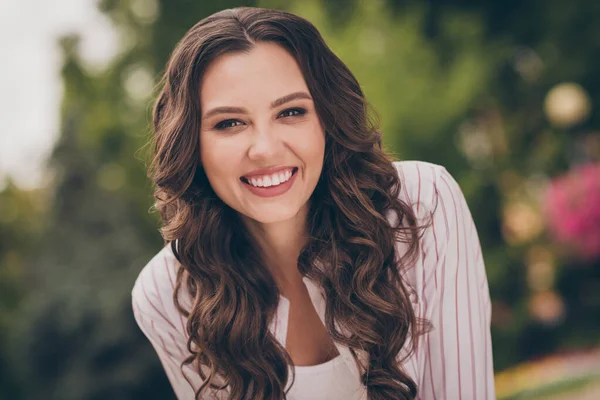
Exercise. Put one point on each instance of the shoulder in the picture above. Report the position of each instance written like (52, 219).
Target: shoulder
(434, 196)
(152, 293)
(157, 277)
(418, 183)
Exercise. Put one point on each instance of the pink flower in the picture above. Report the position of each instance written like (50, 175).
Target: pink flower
(572, 207)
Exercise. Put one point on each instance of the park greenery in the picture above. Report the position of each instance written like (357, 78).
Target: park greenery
(502, 94)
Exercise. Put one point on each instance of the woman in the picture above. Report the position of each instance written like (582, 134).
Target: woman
(302, 263)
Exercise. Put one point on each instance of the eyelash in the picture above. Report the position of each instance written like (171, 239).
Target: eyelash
(223, 124)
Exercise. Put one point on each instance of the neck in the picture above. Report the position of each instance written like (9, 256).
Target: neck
(280, 243)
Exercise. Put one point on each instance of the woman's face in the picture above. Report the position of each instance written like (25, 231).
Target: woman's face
(261, 142)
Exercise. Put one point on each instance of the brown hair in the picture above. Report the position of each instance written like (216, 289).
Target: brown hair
(351, 238)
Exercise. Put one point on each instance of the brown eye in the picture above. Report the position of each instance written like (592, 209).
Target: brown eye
(293, 112)
(227, 124)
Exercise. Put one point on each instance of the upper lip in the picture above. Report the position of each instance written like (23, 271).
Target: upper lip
(267, 171)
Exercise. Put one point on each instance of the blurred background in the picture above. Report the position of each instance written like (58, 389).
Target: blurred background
(504, 94)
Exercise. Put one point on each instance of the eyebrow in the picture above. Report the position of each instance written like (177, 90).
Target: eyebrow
(240, 110)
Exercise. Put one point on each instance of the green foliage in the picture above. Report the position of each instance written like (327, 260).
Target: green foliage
(419, 86)
(454, 83)
(20, 229)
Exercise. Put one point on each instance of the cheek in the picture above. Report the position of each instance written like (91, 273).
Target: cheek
(218, 158)
(312, 145)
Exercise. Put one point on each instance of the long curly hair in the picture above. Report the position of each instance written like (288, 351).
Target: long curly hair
(352, 248)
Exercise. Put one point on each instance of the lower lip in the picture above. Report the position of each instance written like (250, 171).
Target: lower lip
(272, 191)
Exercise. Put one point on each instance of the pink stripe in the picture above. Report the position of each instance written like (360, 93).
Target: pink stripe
(424, 281)
(487, 374)
(441, 298)
(479, 255)
(162, 342)
(447, 224)
(456, 291)
(187, 379)
(168, 266)
(181, 367)
(166, 320)
(167, 357)
(437, 255)
(403, 184)
(415, 368)
(174, 375)
(481, 322)
(467, 272)
(172, 372)
(484, 326)
(163, 352)
(430, 367)
(160, 299)
(419, 189)
(468, 289)
(182, 353)
(423, 288)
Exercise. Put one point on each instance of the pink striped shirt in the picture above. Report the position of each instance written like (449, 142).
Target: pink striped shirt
(453, 361)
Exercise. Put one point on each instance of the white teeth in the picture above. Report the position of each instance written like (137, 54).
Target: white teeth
(270, 180)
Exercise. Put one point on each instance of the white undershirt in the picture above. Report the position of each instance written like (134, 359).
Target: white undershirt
(331, 380)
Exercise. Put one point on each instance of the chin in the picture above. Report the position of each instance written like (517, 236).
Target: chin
(273, 215)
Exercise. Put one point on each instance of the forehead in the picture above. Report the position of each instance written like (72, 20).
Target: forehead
(263, 74)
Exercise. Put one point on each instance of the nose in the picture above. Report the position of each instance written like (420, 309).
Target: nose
(265, 144)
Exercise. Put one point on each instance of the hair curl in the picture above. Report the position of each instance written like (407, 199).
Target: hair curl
(351, 238)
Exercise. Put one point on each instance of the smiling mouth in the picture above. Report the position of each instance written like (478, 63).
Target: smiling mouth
(245, 180)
